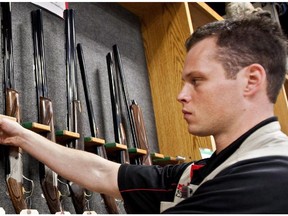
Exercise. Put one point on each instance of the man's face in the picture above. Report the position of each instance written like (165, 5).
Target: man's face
(211, 102)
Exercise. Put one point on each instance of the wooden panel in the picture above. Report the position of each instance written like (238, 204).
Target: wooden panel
(281, 109)
(165, 29)
(201, 14)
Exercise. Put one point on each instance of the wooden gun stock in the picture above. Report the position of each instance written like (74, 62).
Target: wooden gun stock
(78, 197)
(110, 203)
(51, 192)
(141, 132)
(15, 191)
(12, 104)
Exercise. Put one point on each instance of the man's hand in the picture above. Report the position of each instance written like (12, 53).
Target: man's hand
(10, 131)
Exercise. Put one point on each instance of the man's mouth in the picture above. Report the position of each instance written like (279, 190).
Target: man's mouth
(186, 113)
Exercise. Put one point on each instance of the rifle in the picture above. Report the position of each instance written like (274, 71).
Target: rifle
(110, 202)
(141, 132)
(116, 111)
(73, 104)
(48, 178)
(13, 156)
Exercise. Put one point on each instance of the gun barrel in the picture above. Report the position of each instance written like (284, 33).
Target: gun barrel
(71, 78)
(92, 121)
(7, 45)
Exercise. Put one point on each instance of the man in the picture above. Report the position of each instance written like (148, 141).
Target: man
(232, 75)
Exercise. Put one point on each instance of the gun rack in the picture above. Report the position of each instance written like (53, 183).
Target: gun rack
(167, 160)
(91, 142)
(65, 136)
(36, 127)
(136, 152)
(9, 117)
(113, 147)
(155, 155)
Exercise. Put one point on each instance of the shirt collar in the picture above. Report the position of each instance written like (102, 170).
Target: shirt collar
(216, 159)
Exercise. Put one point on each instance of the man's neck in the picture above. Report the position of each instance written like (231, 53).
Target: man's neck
(237, 129)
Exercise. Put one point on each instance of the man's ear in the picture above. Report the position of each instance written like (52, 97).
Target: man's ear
(256, 79)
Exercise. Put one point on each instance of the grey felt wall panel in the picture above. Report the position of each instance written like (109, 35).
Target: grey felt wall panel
(98, 27)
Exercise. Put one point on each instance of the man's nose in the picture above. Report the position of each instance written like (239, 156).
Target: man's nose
(183, 96)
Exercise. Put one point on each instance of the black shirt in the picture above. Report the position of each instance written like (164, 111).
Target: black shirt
(244, 187)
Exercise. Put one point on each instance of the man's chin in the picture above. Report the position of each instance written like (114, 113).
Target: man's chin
(195, 132)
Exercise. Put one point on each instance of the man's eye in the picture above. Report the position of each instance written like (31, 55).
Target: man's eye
(195, 81)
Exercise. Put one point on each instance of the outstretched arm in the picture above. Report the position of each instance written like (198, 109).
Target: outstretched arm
(89, 170)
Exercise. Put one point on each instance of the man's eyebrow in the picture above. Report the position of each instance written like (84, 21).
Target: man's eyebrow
(192, 73)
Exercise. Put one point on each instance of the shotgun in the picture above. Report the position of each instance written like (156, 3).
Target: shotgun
(73, 103)
(141, 132)
(119, 131)
(48, 178)
(13, 156)
(109, 201)
(120, 74)
(134, 112)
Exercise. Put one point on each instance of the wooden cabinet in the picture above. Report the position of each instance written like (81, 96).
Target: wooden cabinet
(281, 107)
(165, 27)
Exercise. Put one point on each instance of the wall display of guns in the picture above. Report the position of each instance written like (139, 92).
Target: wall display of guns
(48, 178)
(109, 201)
(23, 51)
(13, 155)
(78, 193)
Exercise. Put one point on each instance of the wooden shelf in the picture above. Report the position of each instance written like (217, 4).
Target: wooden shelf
(156, 156)
(65, 136)
(201, 13)
(136, 152)
(112, 147)
(37, 127)
(93, 141)
(9, 117)
(165, 161)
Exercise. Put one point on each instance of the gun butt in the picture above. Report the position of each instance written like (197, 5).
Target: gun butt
(12, 104)
(110, 204)
(52, 196)
(141, 131)
(15, 190)
(78, 197)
